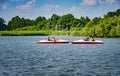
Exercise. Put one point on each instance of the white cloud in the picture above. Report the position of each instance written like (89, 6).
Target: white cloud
(94, 2)
(74, 8)
(31, 2)
(49, 7)
(110, 1)
(23, 7)
(89, 2)
(27, 5)
(3, 5)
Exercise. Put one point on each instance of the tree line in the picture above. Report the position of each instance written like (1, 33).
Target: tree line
(108, 26)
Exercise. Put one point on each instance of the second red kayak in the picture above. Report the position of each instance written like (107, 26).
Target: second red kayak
(87, 42)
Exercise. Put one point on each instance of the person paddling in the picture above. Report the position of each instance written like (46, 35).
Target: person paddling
(92, 39)
(89, 38)
(86, 39)
(53, 38)
(49, 38)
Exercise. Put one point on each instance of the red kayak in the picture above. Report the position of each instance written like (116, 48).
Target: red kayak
(87, 42)
(59, 41)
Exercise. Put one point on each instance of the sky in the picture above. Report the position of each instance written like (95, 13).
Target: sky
(33, 8)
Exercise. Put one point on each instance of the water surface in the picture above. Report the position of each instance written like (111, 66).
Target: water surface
(21, 56)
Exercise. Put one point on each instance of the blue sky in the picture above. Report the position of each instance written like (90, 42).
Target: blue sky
(34, 8)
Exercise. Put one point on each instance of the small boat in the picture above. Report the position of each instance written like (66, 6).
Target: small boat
(87, 42)
(58, 41)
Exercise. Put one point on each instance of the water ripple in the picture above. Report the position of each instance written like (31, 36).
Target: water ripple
(21, 56)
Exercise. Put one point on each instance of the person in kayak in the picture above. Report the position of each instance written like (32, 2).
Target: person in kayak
(87, 39)
(49, 38)
(54, 39)
(91, 38)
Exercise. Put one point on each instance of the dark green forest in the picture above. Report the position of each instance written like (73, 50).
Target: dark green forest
(108, 26)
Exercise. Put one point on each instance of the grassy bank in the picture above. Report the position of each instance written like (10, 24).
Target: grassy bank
(44, 33)
(39, 33)
(24, 33)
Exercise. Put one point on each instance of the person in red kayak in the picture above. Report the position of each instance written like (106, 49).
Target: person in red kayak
(55, 39)
(87, 39)
(91, 38)
(49, 38)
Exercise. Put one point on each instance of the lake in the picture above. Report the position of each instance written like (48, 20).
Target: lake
(21, 56)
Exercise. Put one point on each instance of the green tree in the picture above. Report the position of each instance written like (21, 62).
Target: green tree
(52, 24)
(65, 21)
(96, 20)
(16, 22)
(38, 19)
(76, 23)
(110, 14)
(118, 12)
(84, 20)
(28, 22)
(42, 25)
(2, 24)
(113, 32)
(118, 27)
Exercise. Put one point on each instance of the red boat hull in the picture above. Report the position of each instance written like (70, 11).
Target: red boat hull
(52, 42)
(87, 42)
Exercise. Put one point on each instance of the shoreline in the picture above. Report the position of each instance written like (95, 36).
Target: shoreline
(47, 33)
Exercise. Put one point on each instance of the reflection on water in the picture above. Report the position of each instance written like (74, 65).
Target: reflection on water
(21, 56)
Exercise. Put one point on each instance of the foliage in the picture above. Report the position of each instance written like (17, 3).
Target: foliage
(28, 28)
(52, 23)
(39, 19)
(42, 25)
(18, 22)
(65, 21)
(84, 20)
(108, 26)
(24, 33)
(2, 24)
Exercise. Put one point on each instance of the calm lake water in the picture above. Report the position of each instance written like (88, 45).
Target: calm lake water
(21, 56)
